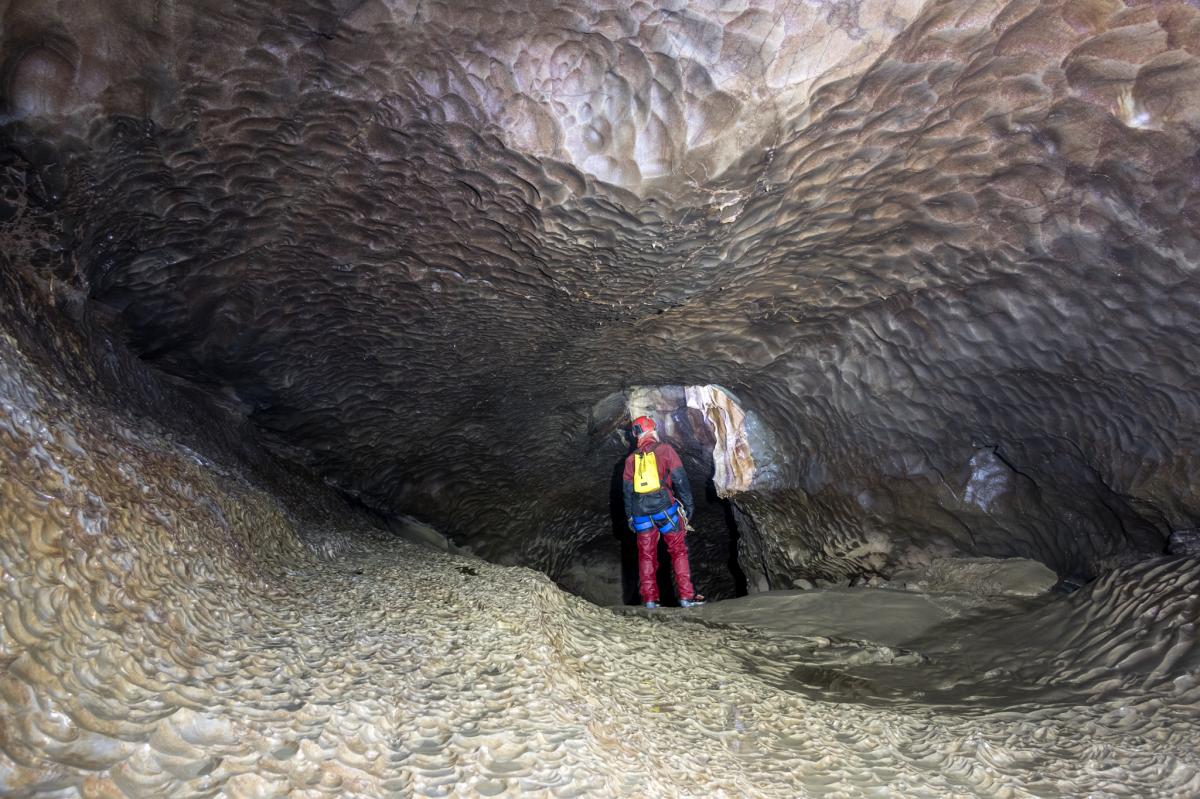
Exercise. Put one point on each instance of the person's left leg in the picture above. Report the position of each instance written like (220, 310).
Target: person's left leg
(677, 547)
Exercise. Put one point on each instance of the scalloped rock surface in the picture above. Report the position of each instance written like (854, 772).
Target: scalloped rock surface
(944, 254)
(181, 625)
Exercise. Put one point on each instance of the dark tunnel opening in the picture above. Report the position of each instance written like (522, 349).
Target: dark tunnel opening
(712, 545)
(707, 428)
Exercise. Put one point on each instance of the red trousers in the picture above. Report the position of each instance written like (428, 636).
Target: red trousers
(648, 564)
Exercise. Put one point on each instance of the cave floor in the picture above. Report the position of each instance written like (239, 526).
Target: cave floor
(408, 672)
(879, 646)
(879, 615)
(399, 671)
(411, 672)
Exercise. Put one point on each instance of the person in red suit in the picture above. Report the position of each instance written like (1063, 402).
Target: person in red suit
(658, 501)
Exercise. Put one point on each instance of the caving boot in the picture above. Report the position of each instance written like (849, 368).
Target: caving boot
(695, 602)
(651, 606)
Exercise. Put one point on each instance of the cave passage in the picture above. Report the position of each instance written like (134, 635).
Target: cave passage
(322, 324)
(707, 427)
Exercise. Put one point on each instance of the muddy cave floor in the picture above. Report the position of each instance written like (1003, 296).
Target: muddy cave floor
(393, 670)
(428, 675)
(390, 669)
(456, 676)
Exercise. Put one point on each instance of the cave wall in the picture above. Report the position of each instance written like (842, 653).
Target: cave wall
(181, 616)
(945, 253)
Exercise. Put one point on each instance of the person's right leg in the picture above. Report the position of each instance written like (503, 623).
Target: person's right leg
(677, 547)
(647, 544)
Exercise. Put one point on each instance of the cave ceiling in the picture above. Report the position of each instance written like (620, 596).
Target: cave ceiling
(945, 251)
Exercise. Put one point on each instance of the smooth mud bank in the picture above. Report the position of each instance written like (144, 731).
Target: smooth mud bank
(175, 625)
(1129, 635)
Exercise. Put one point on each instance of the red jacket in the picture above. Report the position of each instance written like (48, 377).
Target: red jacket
(671, 477)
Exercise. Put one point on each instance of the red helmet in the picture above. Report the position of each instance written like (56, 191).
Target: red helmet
(642, 425)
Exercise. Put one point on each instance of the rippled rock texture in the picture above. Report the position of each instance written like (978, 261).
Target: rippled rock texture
(179, 622)
(945, 253)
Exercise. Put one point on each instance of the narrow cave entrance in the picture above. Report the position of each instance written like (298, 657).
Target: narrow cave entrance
(706, 425)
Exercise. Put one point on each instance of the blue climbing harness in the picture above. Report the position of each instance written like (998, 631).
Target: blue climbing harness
(667, 521)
